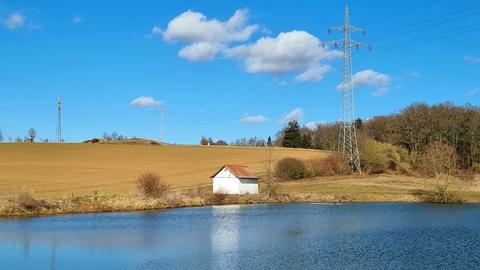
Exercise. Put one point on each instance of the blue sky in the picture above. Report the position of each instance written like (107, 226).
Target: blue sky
(225, 69)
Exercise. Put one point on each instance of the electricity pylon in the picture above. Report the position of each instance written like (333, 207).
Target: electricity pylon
(59, 120)
(348, 136)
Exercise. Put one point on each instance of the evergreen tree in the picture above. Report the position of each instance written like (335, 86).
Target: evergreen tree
(291, 135)
(269, 141)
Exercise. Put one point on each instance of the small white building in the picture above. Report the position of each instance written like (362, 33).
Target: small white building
(234, 179)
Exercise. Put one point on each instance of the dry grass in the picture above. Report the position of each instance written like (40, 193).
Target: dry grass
(58, 170)
(381, 188)
(378, 188)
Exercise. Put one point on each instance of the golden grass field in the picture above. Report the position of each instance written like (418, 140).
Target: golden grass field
(57, 170)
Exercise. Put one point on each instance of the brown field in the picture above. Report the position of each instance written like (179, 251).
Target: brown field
(57, 170)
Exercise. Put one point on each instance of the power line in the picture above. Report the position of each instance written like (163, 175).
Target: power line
(399, 13)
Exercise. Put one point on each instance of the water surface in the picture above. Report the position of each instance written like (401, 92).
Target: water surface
(290, 236)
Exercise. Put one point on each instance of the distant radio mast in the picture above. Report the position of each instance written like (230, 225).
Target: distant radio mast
(59, 120)
(348, 136)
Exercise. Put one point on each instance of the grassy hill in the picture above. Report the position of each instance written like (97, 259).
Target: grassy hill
(56, 170)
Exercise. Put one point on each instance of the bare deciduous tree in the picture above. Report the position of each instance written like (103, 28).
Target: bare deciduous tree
(32, 134)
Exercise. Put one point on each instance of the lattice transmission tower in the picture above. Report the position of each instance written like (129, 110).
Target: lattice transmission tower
(347, 136)
(59, 121)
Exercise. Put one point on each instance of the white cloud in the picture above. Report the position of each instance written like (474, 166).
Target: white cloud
(371, 78)
(205, 34)
(473, 92)
(295, 114)
(15, 20)
(77, 19)
(472, 59)
(314, 73)
(144, 101)
(290, 51)
(253, 119)
(200, 51)
(156, 30)
(313, 126)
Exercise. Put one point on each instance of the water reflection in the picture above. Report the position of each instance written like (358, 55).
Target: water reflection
(225, 236)
(352, 236)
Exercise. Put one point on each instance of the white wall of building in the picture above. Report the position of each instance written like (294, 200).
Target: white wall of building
(248, 186)
(226, 182)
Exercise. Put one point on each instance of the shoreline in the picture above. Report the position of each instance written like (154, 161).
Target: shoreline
(128, 203)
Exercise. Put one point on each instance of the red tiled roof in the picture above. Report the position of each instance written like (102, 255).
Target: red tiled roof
(238, 171)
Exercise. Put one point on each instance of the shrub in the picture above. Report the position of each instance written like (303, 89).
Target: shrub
(442, 190)
(335, 164)
(438, 158)
(218, 198)
(149, 185)
(377, 157)
(341, 165)
(26, 200)
(290, 169)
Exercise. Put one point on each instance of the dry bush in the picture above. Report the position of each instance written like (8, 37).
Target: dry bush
(196, 192)
(335, 164)
(149, 185)
(442, 190)
(438, 158)
(290, 169)
(218, 198)
(341, 164)
(320, 167)
(25, 199)
(271, 188)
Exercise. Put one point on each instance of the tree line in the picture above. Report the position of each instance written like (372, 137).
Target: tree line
(412, 129)
(30, 137)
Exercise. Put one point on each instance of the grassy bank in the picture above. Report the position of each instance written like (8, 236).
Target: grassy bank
(382, 188)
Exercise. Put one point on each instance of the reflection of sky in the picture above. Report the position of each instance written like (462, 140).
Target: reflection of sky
(352, 236)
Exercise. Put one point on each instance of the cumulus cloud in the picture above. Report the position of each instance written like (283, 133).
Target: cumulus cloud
(206, 37)
(295, 114)
(314, 73)
(473, 92)
(472, 59)
(289, 51)
(371, 78)
(313, 126)
(254, 119)
(15, 20)
(144, 101)
(200, 51)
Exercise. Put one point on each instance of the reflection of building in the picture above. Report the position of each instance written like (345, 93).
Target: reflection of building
(234, 179)
(225, 236)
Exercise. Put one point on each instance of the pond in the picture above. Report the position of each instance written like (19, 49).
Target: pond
(282, 236)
